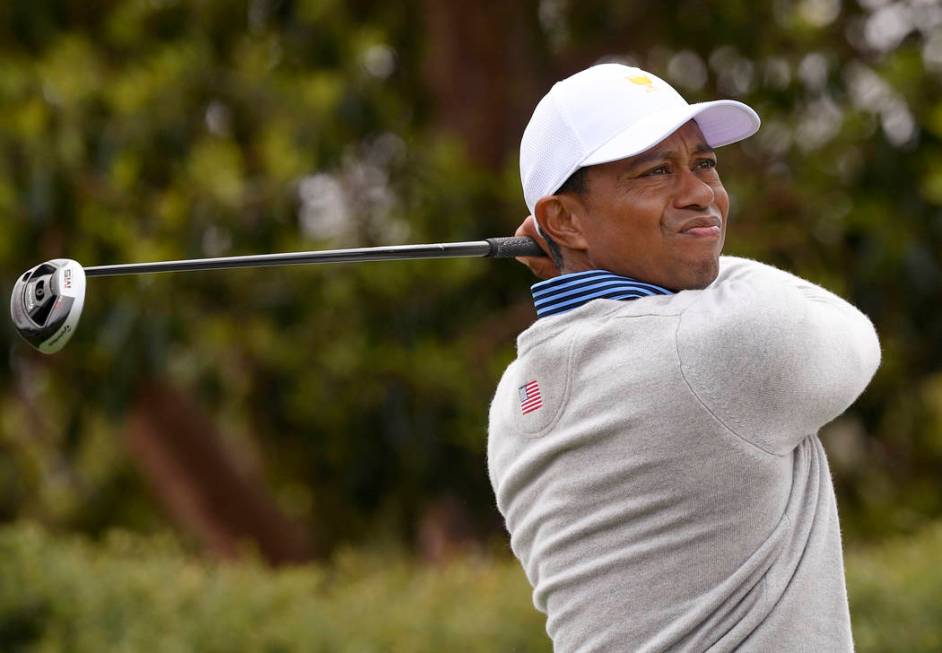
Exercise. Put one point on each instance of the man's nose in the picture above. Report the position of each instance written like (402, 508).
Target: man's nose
(693, 192)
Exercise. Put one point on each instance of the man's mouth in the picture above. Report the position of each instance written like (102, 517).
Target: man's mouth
(703, 227)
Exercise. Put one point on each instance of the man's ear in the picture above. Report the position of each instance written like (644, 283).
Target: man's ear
(559, 218)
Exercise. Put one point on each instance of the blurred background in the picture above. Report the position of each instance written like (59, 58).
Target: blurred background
(294, 459)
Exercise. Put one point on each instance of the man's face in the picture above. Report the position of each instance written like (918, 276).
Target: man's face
(659, 216)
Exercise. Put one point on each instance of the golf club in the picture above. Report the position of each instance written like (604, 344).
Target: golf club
(47, 299)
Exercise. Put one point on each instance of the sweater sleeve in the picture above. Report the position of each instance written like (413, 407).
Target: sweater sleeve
(774, 357)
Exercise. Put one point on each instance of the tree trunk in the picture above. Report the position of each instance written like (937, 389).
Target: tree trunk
(479, 68)
(179, 451)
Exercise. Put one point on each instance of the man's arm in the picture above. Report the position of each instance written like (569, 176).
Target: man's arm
(772, 356)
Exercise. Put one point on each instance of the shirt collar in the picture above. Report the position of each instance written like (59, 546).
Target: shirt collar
(569, 291)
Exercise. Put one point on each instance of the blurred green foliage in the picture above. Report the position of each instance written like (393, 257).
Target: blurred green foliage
(142, 594)
(136, 130)
(140, 131)
(131, 593)
(896, 593)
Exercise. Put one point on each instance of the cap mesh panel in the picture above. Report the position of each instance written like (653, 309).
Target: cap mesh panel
(549, 152)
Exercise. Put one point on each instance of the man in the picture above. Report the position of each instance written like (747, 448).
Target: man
(654, 448)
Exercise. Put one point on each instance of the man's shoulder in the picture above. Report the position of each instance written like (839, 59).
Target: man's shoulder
(734, 265)
(738, 267)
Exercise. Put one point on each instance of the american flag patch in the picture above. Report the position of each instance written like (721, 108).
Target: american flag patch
(530, 398)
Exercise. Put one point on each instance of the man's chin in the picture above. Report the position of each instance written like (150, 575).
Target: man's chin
(700, 274)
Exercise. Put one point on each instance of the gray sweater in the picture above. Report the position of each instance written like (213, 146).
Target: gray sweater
(667, 491)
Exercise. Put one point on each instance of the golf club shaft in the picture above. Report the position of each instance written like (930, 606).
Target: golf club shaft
(491, 247)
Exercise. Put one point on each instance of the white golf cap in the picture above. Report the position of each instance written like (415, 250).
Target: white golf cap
(610, 112)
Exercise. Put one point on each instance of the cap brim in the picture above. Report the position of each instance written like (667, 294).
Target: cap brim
(721, 121)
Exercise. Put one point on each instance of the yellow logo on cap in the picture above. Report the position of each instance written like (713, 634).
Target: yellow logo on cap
(642, 80)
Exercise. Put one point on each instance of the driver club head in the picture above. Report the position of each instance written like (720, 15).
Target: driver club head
(47, 303)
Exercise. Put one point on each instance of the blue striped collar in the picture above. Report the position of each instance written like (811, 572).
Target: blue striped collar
(569, 291)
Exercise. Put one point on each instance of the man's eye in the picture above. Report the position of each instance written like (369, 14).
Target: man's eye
(706, 163)
(660, 170)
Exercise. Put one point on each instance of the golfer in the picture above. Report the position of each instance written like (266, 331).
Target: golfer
(653, 448)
